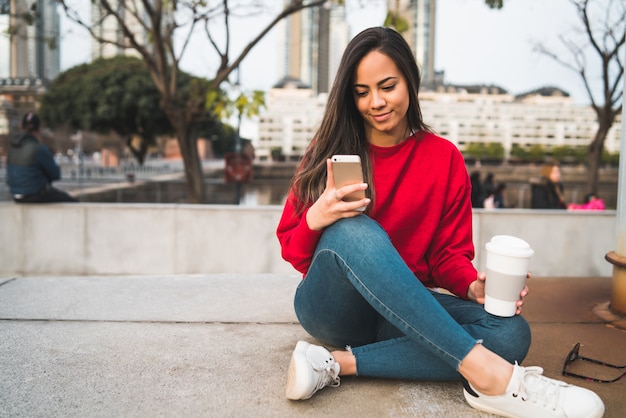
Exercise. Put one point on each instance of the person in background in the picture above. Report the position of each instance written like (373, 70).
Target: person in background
(592, 202)
(495, 200)
(390, 276)
(489, 185)
(477, 190)
(31, 168)
(548, 193)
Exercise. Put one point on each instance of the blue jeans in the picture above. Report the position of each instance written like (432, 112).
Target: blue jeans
(359, 292)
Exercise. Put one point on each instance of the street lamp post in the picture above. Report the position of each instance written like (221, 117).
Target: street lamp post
(77, 154)
(238, 136)
(238, 165)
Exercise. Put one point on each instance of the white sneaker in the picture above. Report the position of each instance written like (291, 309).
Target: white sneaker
(530, 394)
(312, 368)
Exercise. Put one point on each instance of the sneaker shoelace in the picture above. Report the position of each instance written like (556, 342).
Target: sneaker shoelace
(539, 389)
(327, 375)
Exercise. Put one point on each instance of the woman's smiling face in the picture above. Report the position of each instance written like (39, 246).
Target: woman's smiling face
(382, 98)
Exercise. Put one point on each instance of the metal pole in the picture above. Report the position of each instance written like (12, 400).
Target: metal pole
(618, 258)
(238, 137)
(621, 195)
(621, 181)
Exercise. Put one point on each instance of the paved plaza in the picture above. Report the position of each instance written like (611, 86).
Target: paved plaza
(219, 345)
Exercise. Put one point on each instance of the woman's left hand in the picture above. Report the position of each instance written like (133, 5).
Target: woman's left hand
(476, 291)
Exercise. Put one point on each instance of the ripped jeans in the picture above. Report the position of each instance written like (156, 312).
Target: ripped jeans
(359, 292)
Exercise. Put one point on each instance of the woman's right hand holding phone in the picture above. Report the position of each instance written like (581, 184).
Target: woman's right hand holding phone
(330, 207)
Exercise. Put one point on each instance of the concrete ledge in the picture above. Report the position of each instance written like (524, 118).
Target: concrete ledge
(138, 239)
(161, 239)
(566, 244)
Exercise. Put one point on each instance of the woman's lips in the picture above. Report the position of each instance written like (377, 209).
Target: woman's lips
(381, 117)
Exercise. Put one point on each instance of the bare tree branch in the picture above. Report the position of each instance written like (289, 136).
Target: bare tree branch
(192, 26)
(74, 16)
(292, 7)
(606, 40)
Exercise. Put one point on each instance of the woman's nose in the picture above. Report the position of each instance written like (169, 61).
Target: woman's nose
(378, 100)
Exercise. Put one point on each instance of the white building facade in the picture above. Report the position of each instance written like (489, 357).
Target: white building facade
(488, 116)
(290, 120)
(293, 116)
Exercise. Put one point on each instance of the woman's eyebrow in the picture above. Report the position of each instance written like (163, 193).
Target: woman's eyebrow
(380, 83)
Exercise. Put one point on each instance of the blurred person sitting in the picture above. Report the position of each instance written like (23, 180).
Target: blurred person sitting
(31, 168)
(498, 196)
(592, 202)
(495, 200)
(548, 192)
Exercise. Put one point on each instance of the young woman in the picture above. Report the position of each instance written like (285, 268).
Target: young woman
(395, 285)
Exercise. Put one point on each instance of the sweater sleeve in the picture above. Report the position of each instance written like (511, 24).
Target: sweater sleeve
(297, 240)
(452, 250)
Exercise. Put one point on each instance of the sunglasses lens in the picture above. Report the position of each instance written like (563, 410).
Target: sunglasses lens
(573, 354)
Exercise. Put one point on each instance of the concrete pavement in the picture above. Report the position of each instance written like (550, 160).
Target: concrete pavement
(219, 345)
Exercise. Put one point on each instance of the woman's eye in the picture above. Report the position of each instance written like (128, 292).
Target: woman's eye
(389, 88)
(360, 93)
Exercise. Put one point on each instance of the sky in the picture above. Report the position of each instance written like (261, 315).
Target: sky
(473, 44)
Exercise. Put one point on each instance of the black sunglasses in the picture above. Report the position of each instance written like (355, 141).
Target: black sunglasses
(573, 355)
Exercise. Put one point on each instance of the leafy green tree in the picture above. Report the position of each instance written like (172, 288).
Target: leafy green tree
(536, 153)
(473, 150)
(118, 95)
(561, 152)
(484, 151)
(610, 158)
(222, 136)
(109, 95)
(518, 152)
(568, 153)
(494, 151)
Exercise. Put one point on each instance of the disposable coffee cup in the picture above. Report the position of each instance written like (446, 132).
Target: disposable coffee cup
(507, 263)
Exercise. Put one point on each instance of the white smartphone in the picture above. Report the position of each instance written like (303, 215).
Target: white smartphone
(347, 170)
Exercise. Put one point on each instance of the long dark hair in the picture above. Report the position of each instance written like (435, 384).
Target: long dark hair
(342, 130)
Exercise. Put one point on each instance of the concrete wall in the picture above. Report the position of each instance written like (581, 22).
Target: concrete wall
(156, 239)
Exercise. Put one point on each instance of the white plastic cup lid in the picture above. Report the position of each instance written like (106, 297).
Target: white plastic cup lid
(508, 245)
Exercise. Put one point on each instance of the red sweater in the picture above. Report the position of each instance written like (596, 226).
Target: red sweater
(423, 202)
